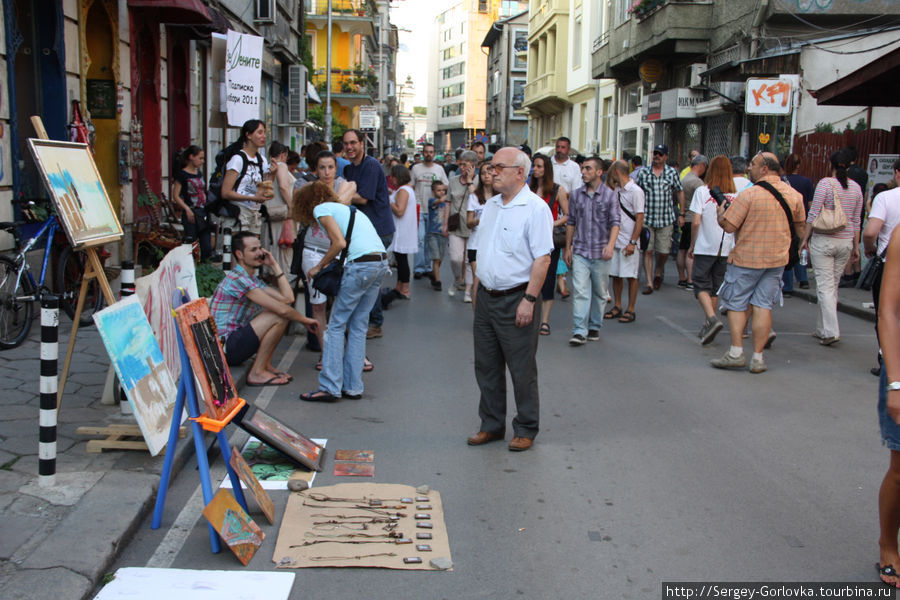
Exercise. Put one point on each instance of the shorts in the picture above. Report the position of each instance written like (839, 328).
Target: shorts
(684, 242)
(890, 431)
(661, 239)
(249, 219)
(435, 246)
(241, 345)
(471, 255)
(744, 286)
(310, 259)
(708, 273)
(626, 267)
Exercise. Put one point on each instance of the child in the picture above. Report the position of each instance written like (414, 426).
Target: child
(436, 236)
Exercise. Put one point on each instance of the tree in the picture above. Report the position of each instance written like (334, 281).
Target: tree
(420, 110)
(317, 116)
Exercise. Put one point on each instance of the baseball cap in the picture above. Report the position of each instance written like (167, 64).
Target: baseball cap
(524, 148)
(661, 148)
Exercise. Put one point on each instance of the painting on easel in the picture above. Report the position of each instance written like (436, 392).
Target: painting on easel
(138, 361)
(81, 201)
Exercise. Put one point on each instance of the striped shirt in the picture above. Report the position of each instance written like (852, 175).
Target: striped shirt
(593, 215)
(658, 195)
(851, 202)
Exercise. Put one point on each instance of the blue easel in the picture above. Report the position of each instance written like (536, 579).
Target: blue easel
(199, 423)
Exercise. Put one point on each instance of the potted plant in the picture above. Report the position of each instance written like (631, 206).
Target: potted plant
(346, 88)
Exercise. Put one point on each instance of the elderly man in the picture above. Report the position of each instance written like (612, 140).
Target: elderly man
(761, 250)
(513, 255)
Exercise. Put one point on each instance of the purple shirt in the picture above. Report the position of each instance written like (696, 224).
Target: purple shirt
(593, 215)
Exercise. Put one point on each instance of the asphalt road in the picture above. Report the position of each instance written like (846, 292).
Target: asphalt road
(650, 466)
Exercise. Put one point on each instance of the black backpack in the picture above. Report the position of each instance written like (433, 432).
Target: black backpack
(215, 201)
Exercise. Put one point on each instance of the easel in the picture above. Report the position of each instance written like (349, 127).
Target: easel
(200, 424)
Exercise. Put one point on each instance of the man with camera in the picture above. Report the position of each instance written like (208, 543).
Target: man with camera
(251, 317)
(762, 248)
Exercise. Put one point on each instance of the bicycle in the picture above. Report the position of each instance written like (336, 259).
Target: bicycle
(19, 290)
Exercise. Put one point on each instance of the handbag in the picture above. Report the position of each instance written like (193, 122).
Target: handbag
(559, 231)
(830, 220)
(871, 272)
(645, 231)
(794, 250)
(328, 281)
(453, 222)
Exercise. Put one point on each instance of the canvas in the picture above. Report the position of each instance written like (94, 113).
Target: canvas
(273, 469)
(138, 361)
(245, 474)
(281, 437)
(354, 469)
(355, 455)
(239, 532)
(71, 177)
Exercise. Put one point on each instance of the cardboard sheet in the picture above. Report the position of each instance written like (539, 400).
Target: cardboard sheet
(299, 526)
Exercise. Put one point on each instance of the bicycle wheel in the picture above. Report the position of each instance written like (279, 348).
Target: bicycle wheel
(69, 273)
(15, 313)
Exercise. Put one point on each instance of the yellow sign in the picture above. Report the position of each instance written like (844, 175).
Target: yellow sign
(651, 70)
(764, 138)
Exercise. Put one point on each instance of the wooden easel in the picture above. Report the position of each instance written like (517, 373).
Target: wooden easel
(116, 438)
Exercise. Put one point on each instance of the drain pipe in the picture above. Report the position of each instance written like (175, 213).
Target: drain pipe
(758, 21)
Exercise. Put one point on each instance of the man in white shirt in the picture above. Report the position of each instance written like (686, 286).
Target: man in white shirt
(423, 174)
(626, 262)
(566, 171)
(513, 251)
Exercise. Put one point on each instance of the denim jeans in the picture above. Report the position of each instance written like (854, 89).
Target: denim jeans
(799, 271)
(376, 317)
(342, 367)
(423, 265)
(590, 289)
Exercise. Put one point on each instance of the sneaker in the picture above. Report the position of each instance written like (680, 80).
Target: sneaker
(689, 286)
(729, 362)
(829, 341)
(461, 286)
(451, 291)
(373, 332)
(804, 285)
(593, 335)
(577, 340)
(683, 283)
(757, 365)
(770, 340)
(467, 298)
(436, 285)
(711, 328)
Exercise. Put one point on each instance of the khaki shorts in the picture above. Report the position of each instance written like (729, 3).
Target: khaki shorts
(250, 219)
(623, 266)
(661, 239)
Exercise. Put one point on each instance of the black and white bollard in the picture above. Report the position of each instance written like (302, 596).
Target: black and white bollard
(49, 359)
(226, 249)
(126, 290)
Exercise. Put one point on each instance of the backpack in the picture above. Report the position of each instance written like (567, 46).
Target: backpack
(214, 199)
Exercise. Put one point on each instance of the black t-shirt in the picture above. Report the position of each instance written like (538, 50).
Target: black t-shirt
(193, 188)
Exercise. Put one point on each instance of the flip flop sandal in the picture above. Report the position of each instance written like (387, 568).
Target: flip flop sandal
(271, 381)
(613, 313)
(627, 317)
(287, 376)
(368, 365)
(318, 396)
(647, 290)
(545, 328)
(887, 571)
(657, 282)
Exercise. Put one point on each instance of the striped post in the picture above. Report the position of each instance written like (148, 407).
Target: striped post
(126, 290)
(226, 249)
(49, 356)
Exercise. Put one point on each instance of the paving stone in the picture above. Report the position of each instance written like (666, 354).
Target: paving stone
(5, 456)
(10, 382)
(17, 530)
(11, 481)
(69, 488)
(17, 396)
(21, 444)
(19, 413)
(57, 583)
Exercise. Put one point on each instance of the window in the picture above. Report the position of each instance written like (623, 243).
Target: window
(457, 89)
(482, 6)
(517, 97)
(509, 8)
(631, 99)
(449, 53)
(520, 44)
(576, 43)
(622, 7)
(495, 83)
(454, 70)
(629, 142)
(606, 123)
(452, 110)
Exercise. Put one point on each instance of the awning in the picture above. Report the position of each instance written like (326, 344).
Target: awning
(312, 93)
(876, 84)
(176, 12)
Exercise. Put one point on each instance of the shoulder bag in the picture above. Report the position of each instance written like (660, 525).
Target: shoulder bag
(794, 251)
(645, 231)
(830, 220)
(559, 231)
(871, 272)
(328, 281)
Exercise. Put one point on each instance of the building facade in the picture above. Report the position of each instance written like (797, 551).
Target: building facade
(506, 123)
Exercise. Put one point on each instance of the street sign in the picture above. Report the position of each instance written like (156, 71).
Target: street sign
(368, 118)
(768, 97)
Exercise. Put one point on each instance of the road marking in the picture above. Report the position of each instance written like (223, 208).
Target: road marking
(178, 533)
(679, 329)
(693, 336)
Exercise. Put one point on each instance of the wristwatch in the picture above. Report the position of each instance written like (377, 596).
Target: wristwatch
(893, 386)
(633, 242)
(533, 299)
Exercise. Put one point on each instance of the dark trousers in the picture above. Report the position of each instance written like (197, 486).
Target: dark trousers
(500, 345)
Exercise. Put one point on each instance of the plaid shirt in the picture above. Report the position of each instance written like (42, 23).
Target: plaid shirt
(592, 215)
(763, 237)
(658, 203)
(230, 306)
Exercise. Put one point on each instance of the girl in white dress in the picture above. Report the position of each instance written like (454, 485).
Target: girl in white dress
(406, 239)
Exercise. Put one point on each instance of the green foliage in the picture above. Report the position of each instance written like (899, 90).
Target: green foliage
(410, 143)
(420, 110)
(861, 125)
(208, 278)
(147, 199)
(824, 128)
(107, 578)
(317, 116)
(306, 54)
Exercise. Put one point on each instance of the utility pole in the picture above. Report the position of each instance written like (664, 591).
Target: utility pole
(328, 81)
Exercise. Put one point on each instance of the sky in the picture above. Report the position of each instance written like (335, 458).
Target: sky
(417, 16)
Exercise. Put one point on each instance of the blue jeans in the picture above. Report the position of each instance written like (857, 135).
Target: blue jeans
(423, 265)
(590, 289)
(342, 368)
(799, 271)
(376, 317)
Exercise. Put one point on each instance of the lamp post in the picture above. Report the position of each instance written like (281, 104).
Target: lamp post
(328, 80)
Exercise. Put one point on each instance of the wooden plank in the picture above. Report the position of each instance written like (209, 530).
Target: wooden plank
(98, 446)
(119, 429)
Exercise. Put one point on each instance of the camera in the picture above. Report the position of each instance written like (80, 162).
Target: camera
(719, 197)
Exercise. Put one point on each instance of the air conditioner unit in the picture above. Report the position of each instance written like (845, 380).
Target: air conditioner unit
(265, 11)
(696, 69)
(296, 94)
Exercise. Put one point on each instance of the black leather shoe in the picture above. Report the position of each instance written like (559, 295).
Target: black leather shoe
(350, 396)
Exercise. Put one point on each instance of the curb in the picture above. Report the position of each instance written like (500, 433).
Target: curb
(856, 311)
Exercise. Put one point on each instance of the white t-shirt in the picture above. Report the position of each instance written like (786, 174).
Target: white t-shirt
(422, 178)
(567, 174)
(632, 198)
(741, 183)
(886, 207)
(710, 234)
(406, 239)
(247, 184)
(474, 206)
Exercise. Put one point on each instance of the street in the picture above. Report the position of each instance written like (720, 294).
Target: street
(650, 465)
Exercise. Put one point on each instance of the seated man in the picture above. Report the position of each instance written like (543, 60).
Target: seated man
(251, 317)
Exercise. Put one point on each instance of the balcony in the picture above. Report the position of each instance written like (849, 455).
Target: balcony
(544, 94)
(349, 16)
(348, 88)
(657, 28)
(544, 11)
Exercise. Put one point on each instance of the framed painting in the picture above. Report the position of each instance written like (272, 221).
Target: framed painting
(281, 437)
(245, 474)
(70, 175)
(239, 532)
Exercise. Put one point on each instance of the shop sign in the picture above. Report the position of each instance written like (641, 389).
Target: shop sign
(768, 97)
(668, 105)
(368, 118)
(880, 170)
(243, 73)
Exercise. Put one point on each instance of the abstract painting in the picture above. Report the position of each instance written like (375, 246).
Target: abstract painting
(81, 201)
(138, 361)
(281, 437)
(245, 474)
(239, 532)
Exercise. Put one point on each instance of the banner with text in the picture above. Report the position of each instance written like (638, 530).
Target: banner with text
(243, 73)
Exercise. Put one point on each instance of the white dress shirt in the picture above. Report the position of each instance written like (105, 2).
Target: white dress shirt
(511, 237)
(567, 174)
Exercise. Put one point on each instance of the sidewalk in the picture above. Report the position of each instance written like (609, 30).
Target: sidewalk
(850, 300)
(59, 542)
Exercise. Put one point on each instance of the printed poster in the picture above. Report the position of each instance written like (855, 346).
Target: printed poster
(243, 75)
